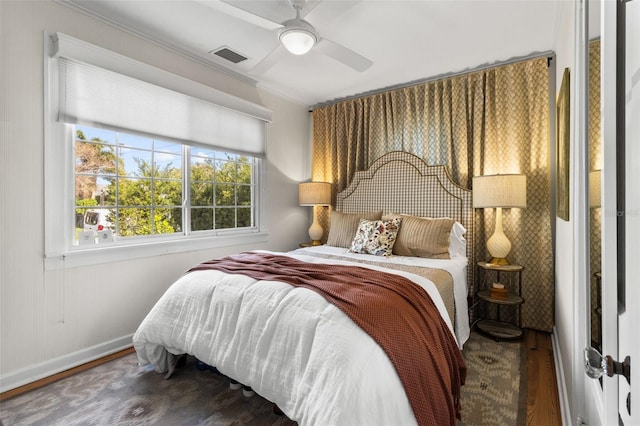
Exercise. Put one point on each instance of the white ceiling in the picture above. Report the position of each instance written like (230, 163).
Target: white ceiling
(405, 40)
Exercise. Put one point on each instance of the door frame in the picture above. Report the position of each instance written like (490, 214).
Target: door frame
(619, 339)
(600, 403)
(629, 343)
(608, 394)
(582, 408)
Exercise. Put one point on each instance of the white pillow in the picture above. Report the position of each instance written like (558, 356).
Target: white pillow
(457, 242)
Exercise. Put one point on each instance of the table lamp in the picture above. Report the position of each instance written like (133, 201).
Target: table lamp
(315, 194)
(499, 191)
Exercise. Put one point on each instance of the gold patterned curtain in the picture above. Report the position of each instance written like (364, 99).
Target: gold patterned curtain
(485, 122)
(595, 211)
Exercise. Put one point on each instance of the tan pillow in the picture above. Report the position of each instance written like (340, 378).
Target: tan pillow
(343, 227)
(423, 237)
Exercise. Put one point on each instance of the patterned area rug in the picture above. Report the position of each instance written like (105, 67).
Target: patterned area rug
(495, 390)
(122, 393)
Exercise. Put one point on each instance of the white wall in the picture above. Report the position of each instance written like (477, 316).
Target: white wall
(52, 320)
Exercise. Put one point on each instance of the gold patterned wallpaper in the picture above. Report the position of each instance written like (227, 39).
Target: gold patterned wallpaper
(487, 122)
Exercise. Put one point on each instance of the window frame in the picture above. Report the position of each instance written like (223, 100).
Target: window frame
(59, 202)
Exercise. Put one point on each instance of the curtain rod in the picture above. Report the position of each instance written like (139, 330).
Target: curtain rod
(549, 54)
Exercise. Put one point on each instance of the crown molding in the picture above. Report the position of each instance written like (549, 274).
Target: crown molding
(79, 6)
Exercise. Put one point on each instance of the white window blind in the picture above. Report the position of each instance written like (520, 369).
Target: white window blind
(96, 96)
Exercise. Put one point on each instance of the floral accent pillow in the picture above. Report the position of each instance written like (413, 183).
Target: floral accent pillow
(376, 236)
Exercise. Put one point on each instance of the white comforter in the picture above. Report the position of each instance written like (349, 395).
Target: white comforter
(456, 266)
(289, 344)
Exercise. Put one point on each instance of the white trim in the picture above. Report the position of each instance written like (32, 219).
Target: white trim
(49, 368)
(565, 407)
(120, 252)
(579, 211)
(629, 345)
(595, 398)
(192, 55)
(608, 79)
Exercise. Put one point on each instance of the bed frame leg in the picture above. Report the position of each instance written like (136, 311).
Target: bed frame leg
(247, 391)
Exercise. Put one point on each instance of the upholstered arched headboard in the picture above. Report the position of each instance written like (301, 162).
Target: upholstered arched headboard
(400, 182)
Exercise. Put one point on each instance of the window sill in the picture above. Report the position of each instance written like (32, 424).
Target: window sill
(107, 253)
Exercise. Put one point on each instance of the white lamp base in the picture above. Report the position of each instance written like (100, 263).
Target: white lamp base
(499, 245)
(315, 230)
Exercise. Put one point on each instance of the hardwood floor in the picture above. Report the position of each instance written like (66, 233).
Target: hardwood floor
(543, 403)
(43, 382)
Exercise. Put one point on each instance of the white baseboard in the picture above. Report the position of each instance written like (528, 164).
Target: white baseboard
(49, 368)
(565, 408)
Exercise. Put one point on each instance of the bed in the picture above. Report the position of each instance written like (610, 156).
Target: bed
(291, 325)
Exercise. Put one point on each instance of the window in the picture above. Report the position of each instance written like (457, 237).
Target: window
(140, 162)
(221, 190)
(133, 186)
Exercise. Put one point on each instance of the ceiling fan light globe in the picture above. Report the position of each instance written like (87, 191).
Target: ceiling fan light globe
(298, 40)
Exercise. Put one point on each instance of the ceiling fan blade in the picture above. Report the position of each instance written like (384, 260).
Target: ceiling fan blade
(240, 13)
(268, 61)
(344, 55)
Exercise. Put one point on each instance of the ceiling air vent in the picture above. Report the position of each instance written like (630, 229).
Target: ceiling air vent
(229, 55)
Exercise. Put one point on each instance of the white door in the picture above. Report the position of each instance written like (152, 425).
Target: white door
(629, 321)
(621, 306)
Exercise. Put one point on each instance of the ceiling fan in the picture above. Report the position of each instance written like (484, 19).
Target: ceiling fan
(297, 36)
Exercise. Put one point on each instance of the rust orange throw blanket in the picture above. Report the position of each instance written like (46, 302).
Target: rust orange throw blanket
(418, 341)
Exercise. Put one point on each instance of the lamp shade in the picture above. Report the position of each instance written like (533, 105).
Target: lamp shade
(500, 191)
(595, 198)
(314, 194)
